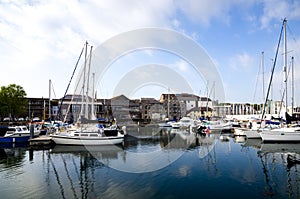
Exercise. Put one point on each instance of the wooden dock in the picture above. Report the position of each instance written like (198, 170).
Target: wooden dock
(43, 140)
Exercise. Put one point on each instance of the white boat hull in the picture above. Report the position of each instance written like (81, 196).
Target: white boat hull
(184, 122)
(280, 136)
(71, 140)
(252, 134)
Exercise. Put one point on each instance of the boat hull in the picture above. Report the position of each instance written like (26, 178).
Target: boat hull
(68, 140)
(277, 136)
(14, 139)
(252, 134)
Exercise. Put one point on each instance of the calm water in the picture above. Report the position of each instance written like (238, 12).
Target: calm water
(153, 163)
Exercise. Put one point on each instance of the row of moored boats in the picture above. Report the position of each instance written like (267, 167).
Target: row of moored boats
(271, 133)
(79, 134)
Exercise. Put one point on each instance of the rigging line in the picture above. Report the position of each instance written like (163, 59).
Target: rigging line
(256, 84)
(281, 102)
(59, 110)
(211, 90)
(293, 37)
(284, 89)
(72, 99)
(53, 90)
(273, 68)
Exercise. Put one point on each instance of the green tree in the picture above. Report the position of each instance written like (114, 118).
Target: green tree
(12, 100)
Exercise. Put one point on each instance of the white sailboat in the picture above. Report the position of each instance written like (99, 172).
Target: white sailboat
(254, 131)
(88, 137)
(87, 130)
(184, 122)
(257, 126)
(283, 134)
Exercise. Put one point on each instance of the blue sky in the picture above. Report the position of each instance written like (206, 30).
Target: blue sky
(41, 40)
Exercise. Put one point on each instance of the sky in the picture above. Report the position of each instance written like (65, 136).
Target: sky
(42, 40)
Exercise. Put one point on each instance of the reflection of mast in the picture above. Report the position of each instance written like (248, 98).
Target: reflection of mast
(84, 177)
(69, 177)
(213, 158)
(57, 177)
(206, 148)
(290, 183)
(86, 161)
(268, 187)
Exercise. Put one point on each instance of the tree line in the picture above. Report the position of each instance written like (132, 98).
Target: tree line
(13, 101)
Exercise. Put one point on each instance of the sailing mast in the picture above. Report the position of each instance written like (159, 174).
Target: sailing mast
(82, 97)
(62, 100)
(87, 85)
(207, 99)
(293, 92)
(93, 117)
(263, 75)
(285, 65)
(271, 78)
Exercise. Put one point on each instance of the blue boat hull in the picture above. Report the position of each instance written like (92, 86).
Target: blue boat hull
(14, 139)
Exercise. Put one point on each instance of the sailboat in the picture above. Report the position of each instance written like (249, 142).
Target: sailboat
(286, 134)
(87, 130)
(256, 126)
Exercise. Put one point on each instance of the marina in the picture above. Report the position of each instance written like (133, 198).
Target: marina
(153, 163)
(164, 100)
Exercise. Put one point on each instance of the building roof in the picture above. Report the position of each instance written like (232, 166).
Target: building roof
(149, 101)
(120, 97)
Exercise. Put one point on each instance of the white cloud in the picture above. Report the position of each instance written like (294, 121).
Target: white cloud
(205, 10)
(43, 39)
(182, 65)
(242, 62)
(278, 10)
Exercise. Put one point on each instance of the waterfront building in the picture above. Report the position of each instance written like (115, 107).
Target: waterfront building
(151, 110)
(171, 106)
(128, 111)
(185, 104)
(207, 107)
(37, 107)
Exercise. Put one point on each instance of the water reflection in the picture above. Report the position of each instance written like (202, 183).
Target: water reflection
(176, 162)
(280, 163)
(152, 150)
(239, 139)
(12, 158)
(75, 172)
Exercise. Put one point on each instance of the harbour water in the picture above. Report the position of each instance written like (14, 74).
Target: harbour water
(153, 163)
